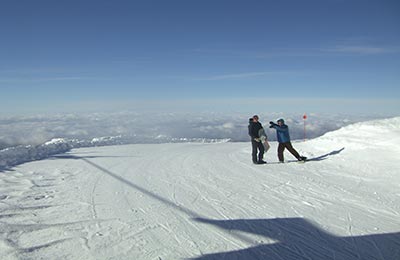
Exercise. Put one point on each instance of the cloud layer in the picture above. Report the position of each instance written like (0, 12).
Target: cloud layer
(134, 127)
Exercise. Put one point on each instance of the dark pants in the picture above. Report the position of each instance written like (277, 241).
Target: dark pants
(257, 146)
(281, 148)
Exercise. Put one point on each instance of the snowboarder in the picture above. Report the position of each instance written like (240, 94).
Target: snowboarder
(256, 144)
(282, 132)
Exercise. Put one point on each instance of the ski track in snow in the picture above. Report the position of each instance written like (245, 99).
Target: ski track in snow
(202, 201)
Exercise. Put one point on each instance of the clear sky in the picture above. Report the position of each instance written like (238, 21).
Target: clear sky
(68, 52)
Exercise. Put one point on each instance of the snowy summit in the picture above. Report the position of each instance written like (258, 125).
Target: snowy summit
(208, 201)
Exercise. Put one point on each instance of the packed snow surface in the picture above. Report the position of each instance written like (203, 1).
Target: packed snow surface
(208, 201)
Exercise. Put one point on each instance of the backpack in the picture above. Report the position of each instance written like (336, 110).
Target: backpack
(250, 124)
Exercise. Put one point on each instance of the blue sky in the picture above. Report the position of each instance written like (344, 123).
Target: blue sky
(96, 54)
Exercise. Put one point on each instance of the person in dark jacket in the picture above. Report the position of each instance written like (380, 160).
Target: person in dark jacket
(282, 132)
(256, 144)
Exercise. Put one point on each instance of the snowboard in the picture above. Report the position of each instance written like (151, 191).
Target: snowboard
(263, 139)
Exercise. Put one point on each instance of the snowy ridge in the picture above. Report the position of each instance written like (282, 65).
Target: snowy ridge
(384, 133)
(376, 128)
(13, 156)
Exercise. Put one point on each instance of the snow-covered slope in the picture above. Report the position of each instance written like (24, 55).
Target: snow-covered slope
(373, 134)
(207, 201)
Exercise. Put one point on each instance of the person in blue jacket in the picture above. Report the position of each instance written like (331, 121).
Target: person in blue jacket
(282, 132)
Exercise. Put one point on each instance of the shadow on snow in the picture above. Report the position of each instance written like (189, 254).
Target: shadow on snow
(323, 157)
(315, 159)
(298, 238)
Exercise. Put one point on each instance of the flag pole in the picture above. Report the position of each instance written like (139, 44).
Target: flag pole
(304, 119)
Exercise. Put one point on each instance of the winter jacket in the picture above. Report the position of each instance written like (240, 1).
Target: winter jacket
(254, 128)
(282, 132)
